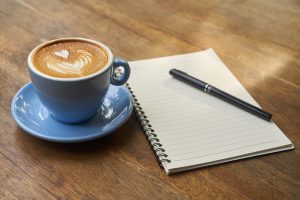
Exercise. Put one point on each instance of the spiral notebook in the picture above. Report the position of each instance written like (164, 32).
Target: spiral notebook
(188, 128)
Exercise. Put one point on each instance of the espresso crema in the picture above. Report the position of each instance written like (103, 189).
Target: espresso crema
(70, 59)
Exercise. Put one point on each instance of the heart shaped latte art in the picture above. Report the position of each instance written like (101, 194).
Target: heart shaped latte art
(76, 67)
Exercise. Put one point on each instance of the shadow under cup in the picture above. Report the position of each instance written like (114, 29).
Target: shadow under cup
(76, 100)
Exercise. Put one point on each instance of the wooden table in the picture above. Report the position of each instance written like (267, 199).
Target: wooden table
(258, 40)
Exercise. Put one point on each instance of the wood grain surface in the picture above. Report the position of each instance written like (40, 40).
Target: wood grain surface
(258, 40)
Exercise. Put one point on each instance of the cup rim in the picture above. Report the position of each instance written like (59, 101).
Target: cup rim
(101, 45)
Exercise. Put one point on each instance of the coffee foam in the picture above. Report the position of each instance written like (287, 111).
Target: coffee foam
(70, 59)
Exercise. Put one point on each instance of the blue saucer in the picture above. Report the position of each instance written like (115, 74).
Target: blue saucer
(34, 118)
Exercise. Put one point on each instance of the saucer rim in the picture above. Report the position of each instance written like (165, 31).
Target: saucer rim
(65, 139)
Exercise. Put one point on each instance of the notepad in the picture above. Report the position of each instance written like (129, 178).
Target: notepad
(188, 128)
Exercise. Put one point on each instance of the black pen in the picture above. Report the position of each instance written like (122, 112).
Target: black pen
(220, 94)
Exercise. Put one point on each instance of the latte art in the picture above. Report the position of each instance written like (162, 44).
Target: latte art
(62, 53)
(69, 59)
(84, 60)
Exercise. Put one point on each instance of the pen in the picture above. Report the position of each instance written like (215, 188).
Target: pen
(182, 76)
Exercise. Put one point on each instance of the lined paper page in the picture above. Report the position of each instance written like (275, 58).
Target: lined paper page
(194, 127)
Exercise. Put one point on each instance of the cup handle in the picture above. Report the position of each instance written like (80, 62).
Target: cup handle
(120, 72)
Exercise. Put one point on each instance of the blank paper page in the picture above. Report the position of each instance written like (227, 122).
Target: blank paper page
(195, 128)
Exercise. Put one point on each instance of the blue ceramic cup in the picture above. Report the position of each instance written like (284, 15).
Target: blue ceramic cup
(76, 100)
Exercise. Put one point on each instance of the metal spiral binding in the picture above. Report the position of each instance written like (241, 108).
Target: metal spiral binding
(150, 134)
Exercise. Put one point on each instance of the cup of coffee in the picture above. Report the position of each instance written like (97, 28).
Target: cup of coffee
(72, 75)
